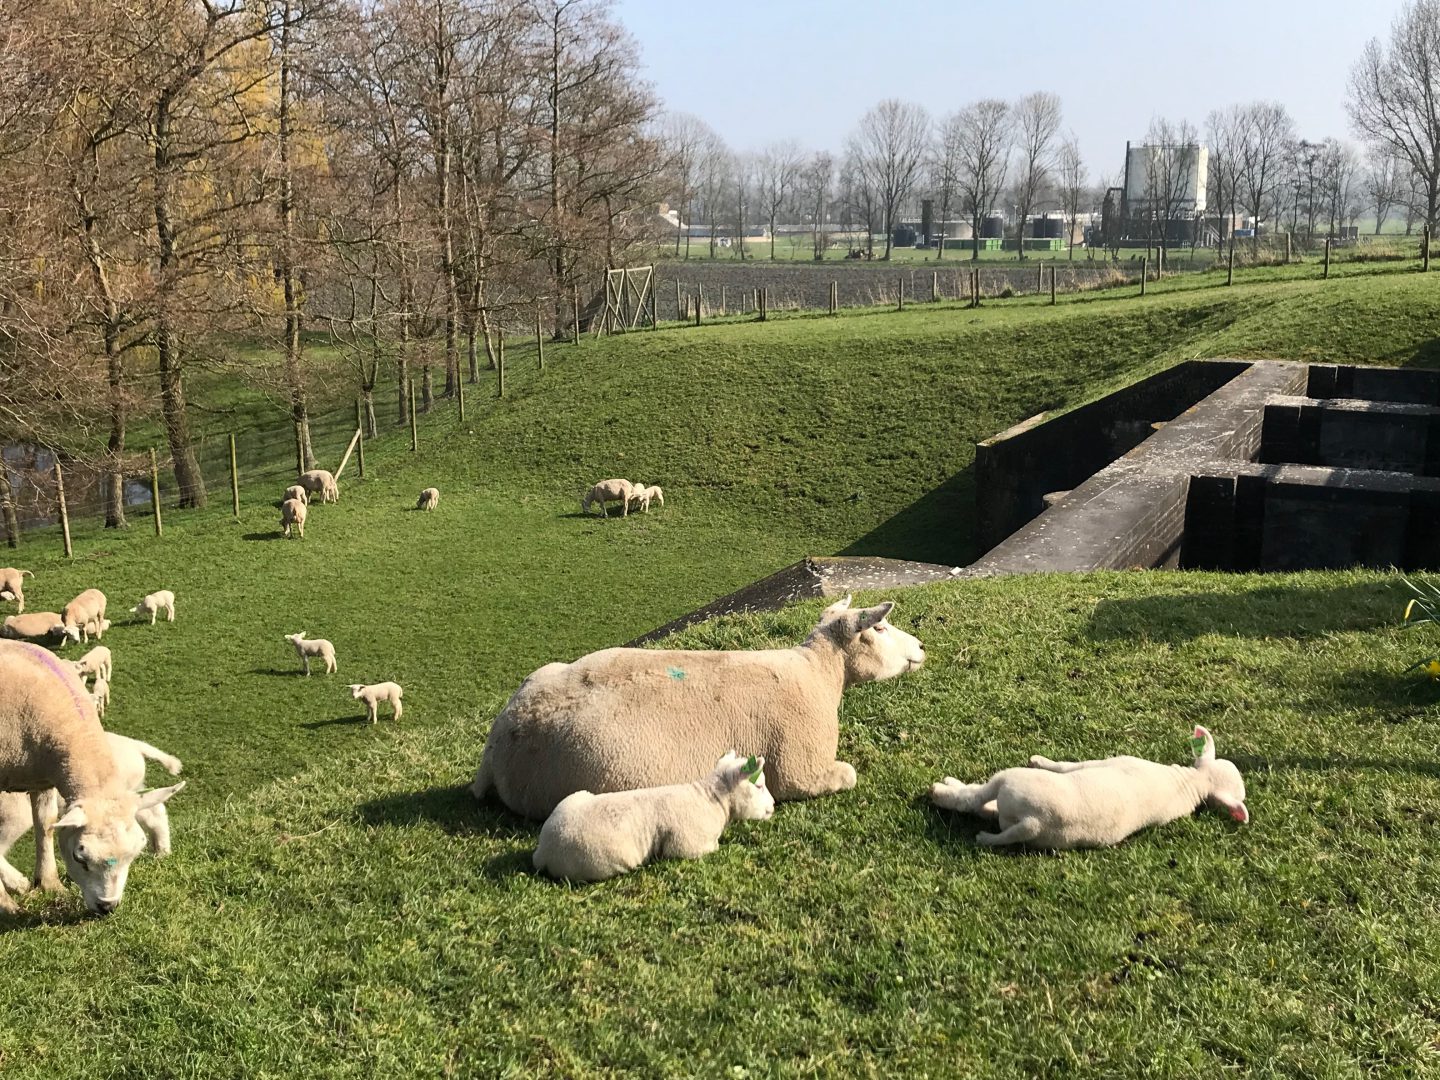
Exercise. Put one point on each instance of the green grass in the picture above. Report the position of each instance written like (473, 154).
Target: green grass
(337, 906)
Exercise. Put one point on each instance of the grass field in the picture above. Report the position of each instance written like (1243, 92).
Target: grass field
(338, 906)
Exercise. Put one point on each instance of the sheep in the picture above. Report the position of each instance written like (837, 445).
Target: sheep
(632, 718)
(38, 625)
(96, 627)
(608, 491)
(292, 512)
(80, 613)
(429, 499)
(321, 482)
(592, 837)
(100, 694)
(1072, 804)
(314, 647)
(642, 495)
(50, 737)
(12, 586)
(130, 754)
(296, 492)
(156, 602)
(95, 662)
(375, 693)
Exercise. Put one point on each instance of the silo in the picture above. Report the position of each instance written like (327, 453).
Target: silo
(993, 227)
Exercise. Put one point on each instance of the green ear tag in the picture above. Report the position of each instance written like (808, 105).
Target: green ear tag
(1197, 745)
(751, 771)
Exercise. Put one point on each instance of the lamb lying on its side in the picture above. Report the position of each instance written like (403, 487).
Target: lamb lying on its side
(156, 602)
(1071, 804)
(377, 692)
(36, 626)
(608, 491)
(593, 837)
(296, 492)
(429, 499)
(95, 662)
(12, 586)
(292, 512)
(313, 647)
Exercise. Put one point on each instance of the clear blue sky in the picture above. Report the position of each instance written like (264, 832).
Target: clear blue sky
(758, 71)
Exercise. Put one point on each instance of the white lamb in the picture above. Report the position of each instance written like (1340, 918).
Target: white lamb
(95, 662)
(156, 602)
(642, 496)
(296, 492)
(429, 499)
(593, 837)
(313, 647)
(377, 692)
(1072, 804)
(100, 694)
(292, 512)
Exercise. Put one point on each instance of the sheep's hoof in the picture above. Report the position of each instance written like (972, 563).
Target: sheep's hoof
(50, 883)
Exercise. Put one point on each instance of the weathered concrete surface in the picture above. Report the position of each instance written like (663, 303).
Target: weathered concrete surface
(1352, 433)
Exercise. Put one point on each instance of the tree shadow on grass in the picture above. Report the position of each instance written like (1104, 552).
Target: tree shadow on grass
(938, 527)
(454, 809)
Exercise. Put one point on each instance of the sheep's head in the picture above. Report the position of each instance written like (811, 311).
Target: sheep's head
(99, 839)
(742, 783)
(140, 609)
(295, 639)
(355, 689)
(873, 648)
(1227, 787)
(71, 631)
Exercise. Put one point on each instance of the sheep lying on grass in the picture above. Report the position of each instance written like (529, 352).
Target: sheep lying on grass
(608, 491)
(12, 586)
(36, 626)
(313, 647)
(320, 482)
(16, 817)
(100, 694)
(156, 602)
(642, 496)
(292, 512)
(377, 692)
(85, 615)
(1071, 804)
(429, 499)
(631, 718)
(50, 737)
(296, 492)
(95, 662)
(592, 837)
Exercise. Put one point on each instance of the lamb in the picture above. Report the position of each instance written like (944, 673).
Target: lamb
(592, 837)
(643, 495)
(377, 692)
(38, 625)
(95, 662)
(156, 602)
(1073, 804)
(130, 754)
(86, 609)
(292, 512)
(313, 647)
(429, 499)
(608, 491)
(100, 694)
(50, 738)
(296, 492)
(96, 627)
(631, 718)
(12, 586)
(320, 482)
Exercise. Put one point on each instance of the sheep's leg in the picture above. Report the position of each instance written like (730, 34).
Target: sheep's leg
(306, 661)
(399, 710)
(373, 708)
(966, 798)
(1038, 762)
(12, 880)
(1023, 831)
(45, 811)
(156, 822)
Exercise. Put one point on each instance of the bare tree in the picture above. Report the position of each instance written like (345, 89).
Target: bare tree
(1226, 129)
(1036, 119)
(777, 170)
(1267, 134)
(1171, 164)
(1338, 175)
(946, 163)
(888, 146)
(685, 138)
(817, 178)
(859, 199)
(1394, 97)
(984, 130)
(1382, 183)
(1074, 186)
(715, 167)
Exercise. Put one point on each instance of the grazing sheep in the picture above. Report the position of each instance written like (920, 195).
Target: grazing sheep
(313, 647)
(95, 662)
(16, 817)
(642, 496)
(37, 626)
(50, 737)
(100, 694)
(377, 692)
(12, 586)
(156, 602)
(292, 512)
(1072, 804)
(631, 718)
(320, 482)
(85, 611)
(295, 491)
(429, 499)
(592, 837)
(608, 491)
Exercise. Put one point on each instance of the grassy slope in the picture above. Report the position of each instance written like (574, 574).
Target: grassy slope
(403, 927)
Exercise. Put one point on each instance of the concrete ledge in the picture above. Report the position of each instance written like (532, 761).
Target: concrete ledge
(1353, 434)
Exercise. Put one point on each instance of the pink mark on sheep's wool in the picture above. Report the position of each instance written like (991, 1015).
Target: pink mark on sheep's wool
(49, 660)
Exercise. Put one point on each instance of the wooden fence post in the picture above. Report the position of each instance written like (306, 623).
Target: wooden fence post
(1287, 249)
(1144, 272)
(679, 315)
(934, 286)
(414, 426)
(723, 310)
(975, 286)
(64, 512)
(576, 290)
(1052, 284)
(155, 491)
(1230, 266)
(834, 296)
(1425, 248)
(900, 295)
(1326, 272)
(500, 363)
(360, 427)
(460, 397)
(235, 479)
(762, 301)
(1040, 277)
(539, 341)
(699, 301)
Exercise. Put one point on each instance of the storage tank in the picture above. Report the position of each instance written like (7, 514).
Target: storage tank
(992, 227)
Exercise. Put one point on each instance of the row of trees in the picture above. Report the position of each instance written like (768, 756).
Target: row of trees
(402, 176)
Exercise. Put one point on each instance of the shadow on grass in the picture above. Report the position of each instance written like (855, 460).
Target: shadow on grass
(939, 527)
(279, 672)
(265, 536)
(454, 809)
(518, 861)
(362, 718)
(953, 829)
(64, 909)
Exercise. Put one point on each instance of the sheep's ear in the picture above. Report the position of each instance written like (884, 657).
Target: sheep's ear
(1202, 745)
(158, 795)
(1236, 810)
(871, 616)
(837, 608)
(73, 818)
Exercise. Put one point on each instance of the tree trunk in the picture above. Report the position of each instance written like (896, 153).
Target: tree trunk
(427, 387)
(113, 487)
(368, 397)
(7, 508)
(470, 351)
(294, 377)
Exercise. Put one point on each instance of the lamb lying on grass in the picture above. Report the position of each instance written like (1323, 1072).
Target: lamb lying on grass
(642, 495)
(156, 602)
(608, 491)
(320, 482)
(16, 818)
(84, 612)
(313, 647)
(95, 662)
(1073, 804)
(593, 837)
(12, 586)
(621, 719)
(36, 626)
(292, 512)
(296, 492)
(377, 692)
(429, 499)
